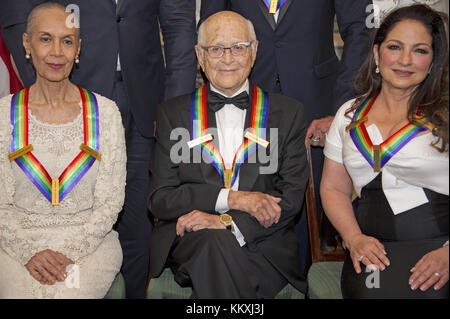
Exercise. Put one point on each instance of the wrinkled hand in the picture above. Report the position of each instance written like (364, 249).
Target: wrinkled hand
(372, 251)
(430, 270)
(315, 135)
(48, 266)
(197, 220)
(262, 206)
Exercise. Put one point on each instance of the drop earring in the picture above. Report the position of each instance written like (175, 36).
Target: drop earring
(77, 60)
(377, 70)
(27, 56)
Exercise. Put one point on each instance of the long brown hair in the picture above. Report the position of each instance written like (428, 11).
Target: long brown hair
(432, 94)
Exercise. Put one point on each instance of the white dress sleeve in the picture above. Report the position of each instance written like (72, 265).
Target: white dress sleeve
(13, 239)
(335, 136)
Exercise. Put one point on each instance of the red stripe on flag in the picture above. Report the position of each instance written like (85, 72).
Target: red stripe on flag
(14, 83)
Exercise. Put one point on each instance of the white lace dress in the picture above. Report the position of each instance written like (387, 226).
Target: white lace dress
(81, 226)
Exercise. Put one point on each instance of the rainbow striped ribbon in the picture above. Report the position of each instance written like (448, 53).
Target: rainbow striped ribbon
(258, 124)
(378, 155)
(274, 5)
(31, 166)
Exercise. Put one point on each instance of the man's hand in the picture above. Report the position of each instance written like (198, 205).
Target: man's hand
(315, 135)
(197, 220)
(48, 266)
(262, 206)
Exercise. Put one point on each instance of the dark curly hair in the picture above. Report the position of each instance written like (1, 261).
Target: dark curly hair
(432, 94)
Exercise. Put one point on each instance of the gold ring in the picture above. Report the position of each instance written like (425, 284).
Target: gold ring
(315, 139)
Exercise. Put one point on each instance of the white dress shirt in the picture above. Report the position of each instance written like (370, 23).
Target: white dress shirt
(230, 129)
(275, 16)
(416, 166)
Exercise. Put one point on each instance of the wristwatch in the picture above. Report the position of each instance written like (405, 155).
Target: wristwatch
(225, 220)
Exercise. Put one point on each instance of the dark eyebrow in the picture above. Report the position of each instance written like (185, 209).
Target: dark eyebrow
(417, 44)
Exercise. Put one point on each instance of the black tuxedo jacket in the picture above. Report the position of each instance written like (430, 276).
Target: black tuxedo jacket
(129, 28)
(178, 188)
(299, 48)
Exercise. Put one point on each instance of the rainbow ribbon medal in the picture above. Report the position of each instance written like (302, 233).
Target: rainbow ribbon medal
(378, 155)
(258, 124)
(54, 189)
(274, 5)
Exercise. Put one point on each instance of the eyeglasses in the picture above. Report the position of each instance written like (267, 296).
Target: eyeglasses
(238, 49)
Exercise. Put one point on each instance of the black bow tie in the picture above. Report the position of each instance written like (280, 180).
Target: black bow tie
(216, 101)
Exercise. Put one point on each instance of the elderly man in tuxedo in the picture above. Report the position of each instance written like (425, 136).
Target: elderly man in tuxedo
(228, 175)
(121, 58)
(297, 58)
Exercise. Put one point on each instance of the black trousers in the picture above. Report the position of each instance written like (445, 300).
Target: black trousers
(216, 267)
(134, 225)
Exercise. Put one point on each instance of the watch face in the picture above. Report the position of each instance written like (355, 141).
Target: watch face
(225, 219)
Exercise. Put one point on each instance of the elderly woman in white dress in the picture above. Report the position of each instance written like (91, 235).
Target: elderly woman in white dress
(62, 174)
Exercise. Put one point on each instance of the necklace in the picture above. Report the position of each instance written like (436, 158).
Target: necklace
(21, 151)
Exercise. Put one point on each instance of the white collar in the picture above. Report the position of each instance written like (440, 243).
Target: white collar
(244, 87)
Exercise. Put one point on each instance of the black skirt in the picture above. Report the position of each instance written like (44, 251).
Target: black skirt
(407, 237)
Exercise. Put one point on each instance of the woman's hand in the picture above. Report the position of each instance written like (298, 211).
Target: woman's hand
(367, 250)
(430, 270)
(48, 266)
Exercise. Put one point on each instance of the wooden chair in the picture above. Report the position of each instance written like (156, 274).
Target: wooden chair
(324, 275)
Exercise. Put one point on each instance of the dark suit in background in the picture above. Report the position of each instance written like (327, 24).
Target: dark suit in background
(214, 263)
(296, 57)
(131, 30)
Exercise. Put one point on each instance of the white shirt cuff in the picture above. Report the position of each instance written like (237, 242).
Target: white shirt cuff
(222, 201)
(237, 233)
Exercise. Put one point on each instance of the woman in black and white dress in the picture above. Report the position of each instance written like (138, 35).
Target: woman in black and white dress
(390, 147)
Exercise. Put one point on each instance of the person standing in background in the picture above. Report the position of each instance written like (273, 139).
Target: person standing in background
(122, 59)
(297, 58)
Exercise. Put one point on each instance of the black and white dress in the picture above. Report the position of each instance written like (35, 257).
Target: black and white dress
(405, 206)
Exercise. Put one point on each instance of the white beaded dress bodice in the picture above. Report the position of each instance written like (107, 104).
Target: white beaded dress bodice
(55, 146)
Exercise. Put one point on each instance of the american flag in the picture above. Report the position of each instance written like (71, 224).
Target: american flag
(9, 82)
